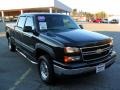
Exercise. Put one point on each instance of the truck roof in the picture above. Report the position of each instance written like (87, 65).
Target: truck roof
(35, 14)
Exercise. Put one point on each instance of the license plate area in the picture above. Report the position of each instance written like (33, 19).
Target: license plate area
(100, 68)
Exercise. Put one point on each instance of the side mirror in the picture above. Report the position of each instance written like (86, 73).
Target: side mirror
(27, 29)
(81, 26)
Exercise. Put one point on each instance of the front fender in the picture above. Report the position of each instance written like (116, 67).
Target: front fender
(45, 48)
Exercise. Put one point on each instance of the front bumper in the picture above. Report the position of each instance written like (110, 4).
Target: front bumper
(63, 71)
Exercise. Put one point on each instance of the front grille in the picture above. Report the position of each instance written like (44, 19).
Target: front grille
(95, 52)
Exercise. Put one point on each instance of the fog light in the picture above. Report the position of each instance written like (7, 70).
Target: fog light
(68, 59)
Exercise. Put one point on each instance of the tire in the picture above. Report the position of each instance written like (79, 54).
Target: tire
(46, 70)
(11, 46)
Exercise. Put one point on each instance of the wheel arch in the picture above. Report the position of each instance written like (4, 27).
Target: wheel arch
(42, 49)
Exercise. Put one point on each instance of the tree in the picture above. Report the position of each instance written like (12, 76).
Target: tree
(100, 15)
(89, 16)
(74, 12)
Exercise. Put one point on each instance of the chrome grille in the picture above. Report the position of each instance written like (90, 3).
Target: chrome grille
(95, 52)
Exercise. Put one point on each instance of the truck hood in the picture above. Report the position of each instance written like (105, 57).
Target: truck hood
(78, 37)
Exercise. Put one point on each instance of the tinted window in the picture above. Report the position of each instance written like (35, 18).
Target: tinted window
(21, 22)
(29, 22)
(56, 22)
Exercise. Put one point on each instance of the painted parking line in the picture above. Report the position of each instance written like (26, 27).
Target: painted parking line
(24, 75)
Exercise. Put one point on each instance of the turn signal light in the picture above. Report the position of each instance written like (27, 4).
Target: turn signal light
(68, 59)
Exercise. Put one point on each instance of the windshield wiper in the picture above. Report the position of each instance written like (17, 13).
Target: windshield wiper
(72, 28)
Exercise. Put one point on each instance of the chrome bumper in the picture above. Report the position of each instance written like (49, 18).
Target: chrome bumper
(62, 71)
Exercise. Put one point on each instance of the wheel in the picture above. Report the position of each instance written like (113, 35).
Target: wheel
(46, 70)
(11, 46)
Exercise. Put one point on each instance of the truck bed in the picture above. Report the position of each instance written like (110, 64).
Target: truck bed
(10, 25)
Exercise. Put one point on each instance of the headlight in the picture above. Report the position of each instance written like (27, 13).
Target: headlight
(72, 50)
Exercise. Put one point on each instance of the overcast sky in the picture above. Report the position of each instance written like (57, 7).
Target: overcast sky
(109, 6)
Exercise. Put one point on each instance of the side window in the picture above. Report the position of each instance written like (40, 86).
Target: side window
(29, 22)
(21, 22)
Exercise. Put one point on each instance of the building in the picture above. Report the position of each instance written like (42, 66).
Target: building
(11, 8)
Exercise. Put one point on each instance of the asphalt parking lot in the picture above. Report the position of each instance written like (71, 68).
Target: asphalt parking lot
(17, 73)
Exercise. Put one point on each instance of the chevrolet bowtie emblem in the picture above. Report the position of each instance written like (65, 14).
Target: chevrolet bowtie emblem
(99, 51)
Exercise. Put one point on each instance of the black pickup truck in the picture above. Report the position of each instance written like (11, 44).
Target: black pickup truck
(59, 46)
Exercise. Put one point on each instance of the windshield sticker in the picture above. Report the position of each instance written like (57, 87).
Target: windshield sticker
(41, 18)
(43, 25)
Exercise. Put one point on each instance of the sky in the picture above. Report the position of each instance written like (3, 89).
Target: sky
(93, 6)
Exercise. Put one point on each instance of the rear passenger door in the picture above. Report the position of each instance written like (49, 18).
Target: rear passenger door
(18, 31)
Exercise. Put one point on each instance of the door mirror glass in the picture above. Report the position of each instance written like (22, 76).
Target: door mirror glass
(27, 29)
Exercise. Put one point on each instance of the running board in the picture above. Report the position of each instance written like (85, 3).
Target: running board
(26, 57)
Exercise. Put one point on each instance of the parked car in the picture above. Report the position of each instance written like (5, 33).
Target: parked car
(8, 18)
(105, 21)
(15, 18)
(114, 21)
(59, 46)
(97, 21)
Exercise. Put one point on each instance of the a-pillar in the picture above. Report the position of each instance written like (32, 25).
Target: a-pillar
(21, 11)
(2, 13)
(50, 10)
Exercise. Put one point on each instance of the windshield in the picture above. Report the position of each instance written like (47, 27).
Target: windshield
(56, 22)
